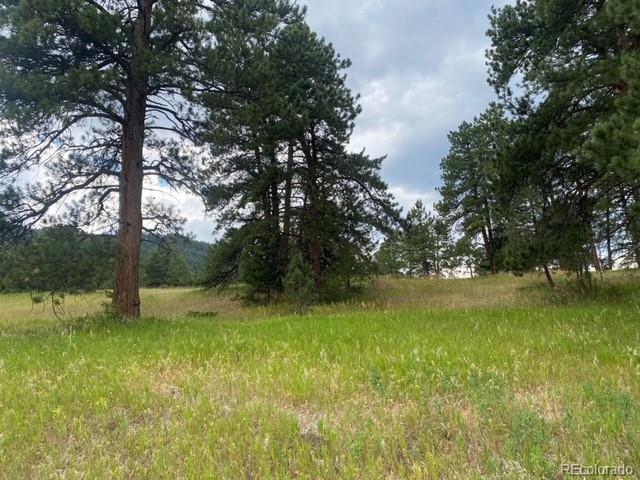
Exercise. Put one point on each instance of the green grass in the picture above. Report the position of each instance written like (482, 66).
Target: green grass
(490, 378)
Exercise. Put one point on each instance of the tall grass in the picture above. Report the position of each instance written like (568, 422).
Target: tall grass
(424, 379)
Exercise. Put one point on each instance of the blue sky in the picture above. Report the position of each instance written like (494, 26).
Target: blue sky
(420, 68)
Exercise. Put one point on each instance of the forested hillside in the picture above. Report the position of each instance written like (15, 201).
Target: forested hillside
(67, 260)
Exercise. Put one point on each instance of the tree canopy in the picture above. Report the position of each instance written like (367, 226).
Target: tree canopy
(238, 102)
(549, 177)
(106, 95)
(286, 181)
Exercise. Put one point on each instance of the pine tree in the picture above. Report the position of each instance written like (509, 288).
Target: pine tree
(419, 242)
(577, 65)
(59, 259)
(222, 264)
(258, 265)
(283, 162)
(390, 256)
(469, 173)
(167, 267)
(112, 90)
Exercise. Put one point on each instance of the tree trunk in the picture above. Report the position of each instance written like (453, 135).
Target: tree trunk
(596, 257)
(596, 260)
(264, 194)
(609, 234)
(315, 246)
(126, 295)
(286, 216)
(632, 223)
(488, 248)
(490, 251)
(274, 195)
(547, 274)
(635, 222)
(315, 253)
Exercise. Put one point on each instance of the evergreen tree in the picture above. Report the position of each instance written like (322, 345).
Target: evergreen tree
(465, 256)
(283, 164)
(390, 256)
(222, 266)
(579, 96)
(166, 266)
(107, 93)
(469, 173)
(59, 259)
(423, 247)
(419, 242)
(258, 265)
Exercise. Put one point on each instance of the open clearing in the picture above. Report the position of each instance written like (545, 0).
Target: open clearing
(414, 379)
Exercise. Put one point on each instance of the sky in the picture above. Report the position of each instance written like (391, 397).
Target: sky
(419, 66)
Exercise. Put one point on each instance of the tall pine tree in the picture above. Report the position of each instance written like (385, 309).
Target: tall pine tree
(106, 93)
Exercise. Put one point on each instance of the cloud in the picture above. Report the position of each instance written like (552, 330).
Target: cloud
(407, 198)
(420, 68)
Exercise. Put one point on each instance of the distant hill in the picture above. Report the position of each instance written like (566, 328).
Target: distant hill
(194, 251)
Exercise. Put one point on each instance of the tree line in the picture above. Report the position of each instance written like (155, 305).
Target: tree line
(241, 103)
(548, 177)
(238, 102)
(63, 259)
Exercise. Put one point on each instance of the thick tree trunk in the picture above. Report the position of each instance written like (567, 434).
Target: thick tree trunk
(126, 295)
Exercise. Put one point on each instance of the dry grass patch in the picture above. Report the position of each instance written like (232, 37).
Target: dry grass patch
(544, 400)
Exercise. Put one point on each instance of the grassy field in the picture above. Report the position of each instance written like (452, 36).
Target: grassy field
(487, 378)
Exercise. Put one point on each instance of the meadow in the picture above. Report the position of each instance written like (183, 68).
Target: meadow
(456, 379)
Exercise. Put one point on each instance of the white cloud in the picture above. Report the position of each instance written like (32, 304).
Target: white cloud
(190, 207)
(407, 198)
(420, 67)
